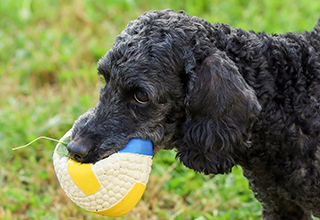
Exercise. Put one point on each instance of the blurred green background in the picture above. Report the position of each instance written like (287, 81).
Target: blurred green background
(48, 59)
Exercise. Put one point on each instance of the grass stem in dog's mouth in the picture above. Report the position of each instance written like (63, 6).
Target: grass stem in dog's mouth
(41, 137)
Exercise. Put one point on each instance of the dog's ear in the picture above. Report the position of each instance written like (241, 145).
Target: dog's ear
(220, 109)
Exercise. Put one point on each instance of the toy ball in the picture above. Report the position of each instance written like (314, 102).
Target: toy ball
(111, 186)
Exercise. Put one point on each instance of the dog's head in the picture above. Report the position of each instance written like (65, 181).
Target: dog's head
(167, 82)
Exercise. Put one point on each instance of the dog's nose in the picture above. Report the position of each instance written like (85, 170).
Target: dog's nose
(77, 151)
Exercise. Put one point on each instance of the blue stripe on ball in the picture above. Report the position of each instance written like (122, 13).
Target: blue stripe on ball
(138, 146)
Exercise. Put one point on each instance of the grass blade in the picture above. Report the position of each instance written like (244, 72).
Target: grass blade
(41, 137)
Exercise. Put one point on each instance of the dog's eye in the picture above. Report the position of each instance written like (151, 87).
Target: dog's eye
(141, 97)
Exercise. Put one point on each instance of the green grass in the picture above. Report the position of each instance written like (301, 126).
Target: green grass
(48, 55)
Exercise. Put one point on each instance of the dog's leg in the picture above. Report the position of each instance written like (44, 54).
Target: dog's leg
(274, 206)
(283, 210)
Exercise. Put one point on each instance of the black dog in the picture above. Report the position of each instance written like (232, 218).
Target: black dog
(220, 96)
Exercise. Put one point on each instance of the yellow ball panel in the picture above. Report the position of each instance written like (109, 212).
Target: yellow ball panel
(83, 177)
(126, 204)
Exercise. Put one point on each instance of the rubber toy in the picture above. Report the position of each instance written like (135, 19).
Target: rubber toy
(111, 186)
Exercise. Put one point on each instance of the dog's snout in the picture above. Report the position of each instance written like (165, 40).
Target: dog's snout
(78, 151)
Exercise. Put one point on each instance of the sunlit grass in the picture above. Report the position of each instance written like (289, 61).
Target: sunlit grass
(48, 55)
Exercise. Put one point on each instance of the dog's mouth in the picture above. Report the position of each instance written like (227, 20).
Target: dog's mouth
(81, 150)
(107, 154)
(91, 158)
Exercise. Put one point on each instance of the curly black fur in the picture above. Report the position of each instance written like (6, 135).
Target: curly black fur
(220, 96)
